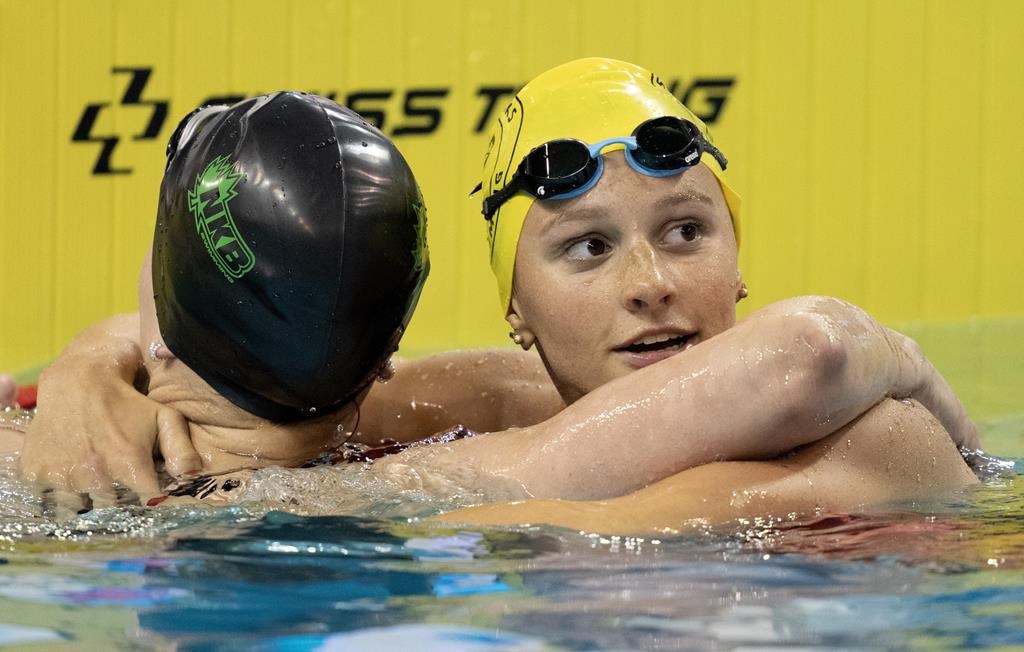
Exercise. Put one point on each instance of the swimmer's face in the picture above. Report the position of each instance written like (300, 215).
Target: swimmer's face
(633, 271)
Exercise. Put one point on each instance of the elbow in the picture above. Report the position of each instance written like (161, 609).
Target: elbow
(820, 348)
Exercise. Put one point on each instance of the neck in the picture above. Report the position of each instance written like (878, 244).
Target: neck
(226, 437)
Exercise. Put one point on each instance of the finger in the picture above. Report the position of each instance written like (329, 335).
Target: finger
(135, 469)
(69, 504)
(180, 456)
(102, 498)
(53, 479)
(87, 478)
(125, 496)
(62, 505)
(94, 486)
(46, 505)
(971, 440)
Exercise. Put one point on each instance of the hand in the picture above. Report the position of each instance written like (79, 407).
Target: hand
(877, 362)
(96, 435)
(94, 430)
(932, 391)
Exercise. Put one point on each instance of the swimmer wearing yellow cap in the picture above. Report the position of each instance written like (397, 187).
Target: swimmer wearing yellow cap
(621, 268)
(603, 105)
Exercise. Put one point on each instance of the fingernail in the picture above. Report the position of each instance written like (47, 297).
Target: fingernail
(153, 502)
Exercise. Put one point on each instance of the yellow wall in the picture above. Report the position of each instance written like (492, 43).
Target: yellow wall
(877, 144)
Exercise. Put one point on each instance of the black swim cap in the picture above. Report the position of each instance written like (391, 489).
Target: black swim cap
(289, 253)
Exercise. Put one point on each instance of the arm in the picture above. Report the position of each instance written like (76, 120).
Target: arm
(484, 390)
(93, 427)
(8, 390)
(896, 451)
(789, 375)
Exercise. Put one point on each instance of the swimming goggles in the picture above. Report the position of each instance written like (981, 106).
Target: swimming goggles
(565, 168)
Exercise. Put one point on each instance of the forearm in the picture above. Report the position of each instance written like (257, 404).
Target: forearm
(693, 499)
(109, 347)
(894, 452)
(868, 362)
(790, 375)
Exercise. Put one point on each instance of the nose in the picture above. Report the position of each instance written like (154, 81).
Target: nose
(646, 282)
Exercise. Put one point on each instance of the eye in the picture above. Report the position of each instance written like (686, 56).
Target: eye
(685, 233)
(587, 249)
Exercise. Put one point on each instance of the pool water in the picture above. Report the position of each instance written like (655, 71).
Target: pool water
(943, 575)
(939, 575)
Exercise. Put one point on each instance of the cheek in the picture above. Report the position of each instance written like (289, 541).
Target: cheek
(717, 293)
(552, 304)
(567, 313)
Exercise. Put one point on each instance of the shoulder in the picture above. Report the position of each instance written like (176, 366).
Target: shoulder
(503, 365)
(814, 305)
(895, 450)
(484, 389)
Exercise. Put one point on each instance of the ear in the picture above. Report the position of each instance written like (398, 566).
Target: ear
(159, 351)
(741, 288)
(520, 328)
(386, 371)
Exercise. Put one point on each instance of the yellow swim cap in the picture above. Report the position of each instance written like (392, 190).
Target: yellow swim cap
(589, 100)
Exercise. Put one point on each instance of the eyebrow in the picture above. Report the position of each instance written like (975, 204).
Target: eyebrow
(574, 214)
(684, 196)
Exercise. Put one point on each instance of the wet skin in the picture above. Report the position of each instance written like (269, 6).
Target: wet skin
(8, 390)
(629, 293)
(894, 451)
(639, 270)
(628, 274)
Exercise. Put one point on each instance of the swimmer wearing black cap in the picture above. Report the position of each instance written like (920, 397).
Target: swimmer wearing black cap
(288, 256)
(289, 253)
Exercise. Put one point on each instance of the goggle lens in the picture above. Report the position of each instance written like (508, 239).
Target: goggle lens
(557, 159)
(565, 167)
(667, 144)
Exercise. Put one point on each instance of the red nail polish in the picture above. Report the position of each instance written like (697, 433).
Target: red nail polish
(153, 502)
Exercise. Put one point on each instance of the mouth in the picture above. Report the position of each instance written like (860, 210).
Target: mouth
(654, 347)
